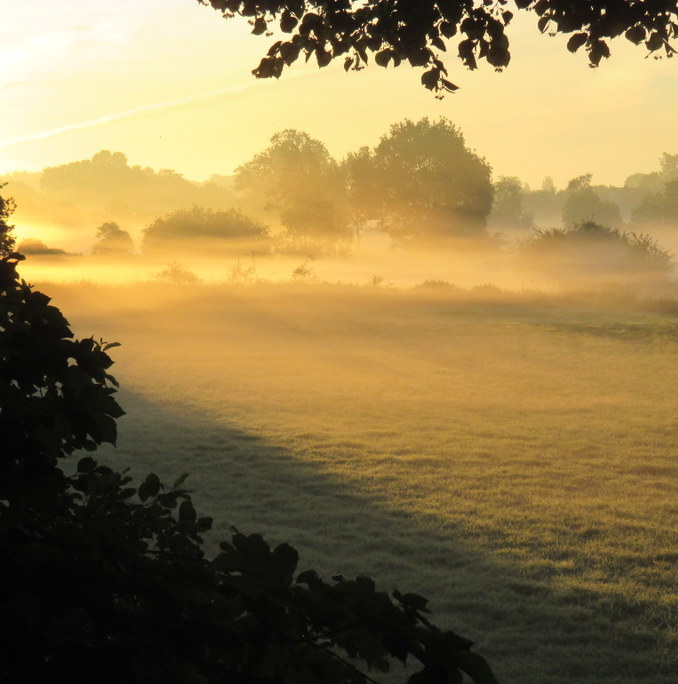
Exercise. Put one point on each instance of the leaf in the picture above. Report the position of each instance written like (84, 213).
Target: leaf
(86, 464)
(323, 57)
(111, 345)
(475, 667)
(383, 57)
(576, 41)
(187, 512)
(429, 79)
(260, 26)
(149, 487)
(180, 480)
(288, 22)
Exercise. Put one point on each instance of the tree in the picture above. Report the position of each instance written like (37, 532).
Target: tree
(417, 31)
(430, 185)
(297, 179)
(203, 230)
(582, 204)
(362, 189)
(659, 207)
(112, 240)
(104, 579)
(507, 207)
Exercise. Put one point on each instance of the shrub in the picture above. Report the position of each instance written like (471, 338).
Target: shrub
(595, 251)
(176, 274)
(38, 247)
(204, 230)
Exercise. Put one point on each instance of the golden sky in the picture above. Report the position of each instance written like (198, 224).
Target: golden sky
(168, 83)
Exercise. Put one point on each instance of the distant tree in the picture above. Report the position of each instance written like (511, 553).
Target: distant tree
(417, 32)
(584, 205)
(38, 247)
(430, 186)
(362, 189)
(547, 186)
(507, 206)
(203, 229)
(659, 207)
(297, 180)
(112, 240)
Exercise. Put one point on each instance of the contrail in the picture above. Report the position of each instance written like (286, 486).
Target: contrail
(233, 90)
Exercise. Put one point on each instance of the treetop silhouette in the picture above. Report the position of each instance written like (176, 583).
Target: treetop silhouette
(417, 31)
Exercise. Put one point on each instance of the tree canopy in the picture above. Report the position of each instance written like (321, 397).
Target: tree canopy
(112, 240)
(427, 184)
(418, 31)
(297, 180)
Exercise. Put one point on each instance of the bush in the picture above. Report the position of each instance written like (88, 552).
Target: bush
(595, 251)
(106, 580)
(38, 247)
(204, 230)
(176, 274)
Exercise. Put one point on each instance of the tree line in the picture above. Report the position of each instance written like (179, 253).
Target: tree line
(420, 184)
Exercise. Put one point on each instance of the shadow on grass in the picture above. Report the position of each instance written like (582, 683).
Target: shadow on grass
(528, 631)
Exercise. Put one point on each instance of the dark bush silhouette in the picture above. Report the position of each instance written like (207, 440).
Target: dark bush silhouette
(203, 230)
(106, 580)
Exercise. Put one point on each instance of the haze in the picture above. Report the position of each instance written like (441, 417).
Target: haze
(433, 342)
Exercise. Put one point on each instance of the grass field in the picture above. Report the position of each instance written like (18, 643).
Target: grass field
(513, 458)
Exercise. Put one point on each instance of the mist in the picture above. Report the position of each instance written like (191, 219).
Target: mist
(469, 392)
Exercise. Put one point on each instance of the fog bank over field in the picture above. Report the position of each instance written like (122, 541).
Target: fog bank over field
(419, 205)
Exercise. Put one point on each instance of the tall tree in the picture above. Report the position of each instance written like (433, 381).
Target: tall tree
(417, 31)
(297, 179)
(430, 185)
(507, 208)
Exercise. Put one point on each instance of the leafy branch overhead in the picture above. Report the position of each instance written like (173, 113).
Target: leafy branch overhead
(418, 31)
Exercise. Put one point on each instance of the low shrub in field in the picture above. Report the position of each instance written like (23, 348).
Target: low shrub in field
(106, 580)
(594, 252)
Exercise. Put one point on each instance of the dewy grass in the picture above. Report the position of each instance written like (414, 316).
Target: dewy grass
(514, 460)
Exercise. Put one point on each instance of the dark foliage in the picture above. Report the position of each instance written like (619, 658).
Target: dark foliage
(106, 580)
(396, 31)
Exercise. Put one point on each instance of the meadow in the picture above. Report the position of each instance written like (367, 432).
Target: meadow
(512, 457)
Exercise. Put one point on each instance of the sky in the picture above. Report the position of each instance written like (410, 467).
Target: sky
(168, 83)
